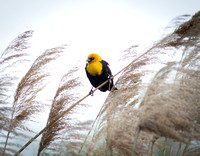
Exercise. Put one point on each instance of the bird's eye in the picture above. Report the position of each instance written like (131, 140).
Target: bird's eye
(90, 59)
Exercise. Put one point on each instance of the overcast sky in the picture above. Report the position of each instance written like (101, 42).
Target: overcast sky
(102, 24)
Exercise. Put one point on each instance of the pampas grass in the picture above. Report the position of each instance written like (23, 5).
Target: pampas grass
(170, 106)
(10, 61)
(155, 111)
(62, 98)
(25, 103)
(32, 83)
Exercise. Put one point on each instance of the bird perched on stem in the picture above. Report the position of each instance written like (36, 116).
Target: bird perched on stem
(98, 72)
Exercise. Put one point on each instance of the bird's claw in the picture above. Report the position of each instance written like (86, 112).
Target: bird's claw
(91, 92)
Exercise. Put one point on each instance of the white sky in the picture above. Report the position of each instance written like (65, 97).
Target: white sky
(103, 24)
(106, 27)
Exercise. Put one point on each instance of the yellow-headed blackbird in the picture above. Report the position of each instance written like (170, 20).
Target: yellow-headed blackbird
(98, 72)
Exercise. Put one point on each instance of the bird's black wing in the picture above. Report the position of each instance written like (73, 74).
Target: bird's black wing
(106, 69)
(107, 76)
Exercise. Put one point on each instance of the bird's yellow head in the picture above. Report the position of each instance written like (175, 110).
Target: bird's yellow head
(93, 58)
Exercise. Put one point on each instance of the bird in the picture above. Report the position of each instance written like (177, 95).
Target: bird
(98, 71)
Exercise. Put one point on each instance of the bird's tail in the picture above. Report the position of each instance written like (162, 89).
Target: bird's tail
(111, 85)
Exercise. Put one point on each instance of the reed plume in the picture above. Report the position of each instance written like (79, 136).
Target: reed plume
(65, 128)
(161, 84)
(10, 62)
(170, 107)
(25, 99)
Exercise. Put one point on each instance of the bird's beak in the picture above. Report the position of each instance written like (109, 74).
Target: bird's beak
(89, 60)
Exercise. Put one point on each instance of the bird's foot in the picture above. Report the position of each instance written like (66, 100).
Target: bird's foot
(91, 92)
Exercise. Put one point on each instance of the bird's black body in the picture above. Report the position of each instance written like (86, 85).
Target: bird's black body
(104, 76)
